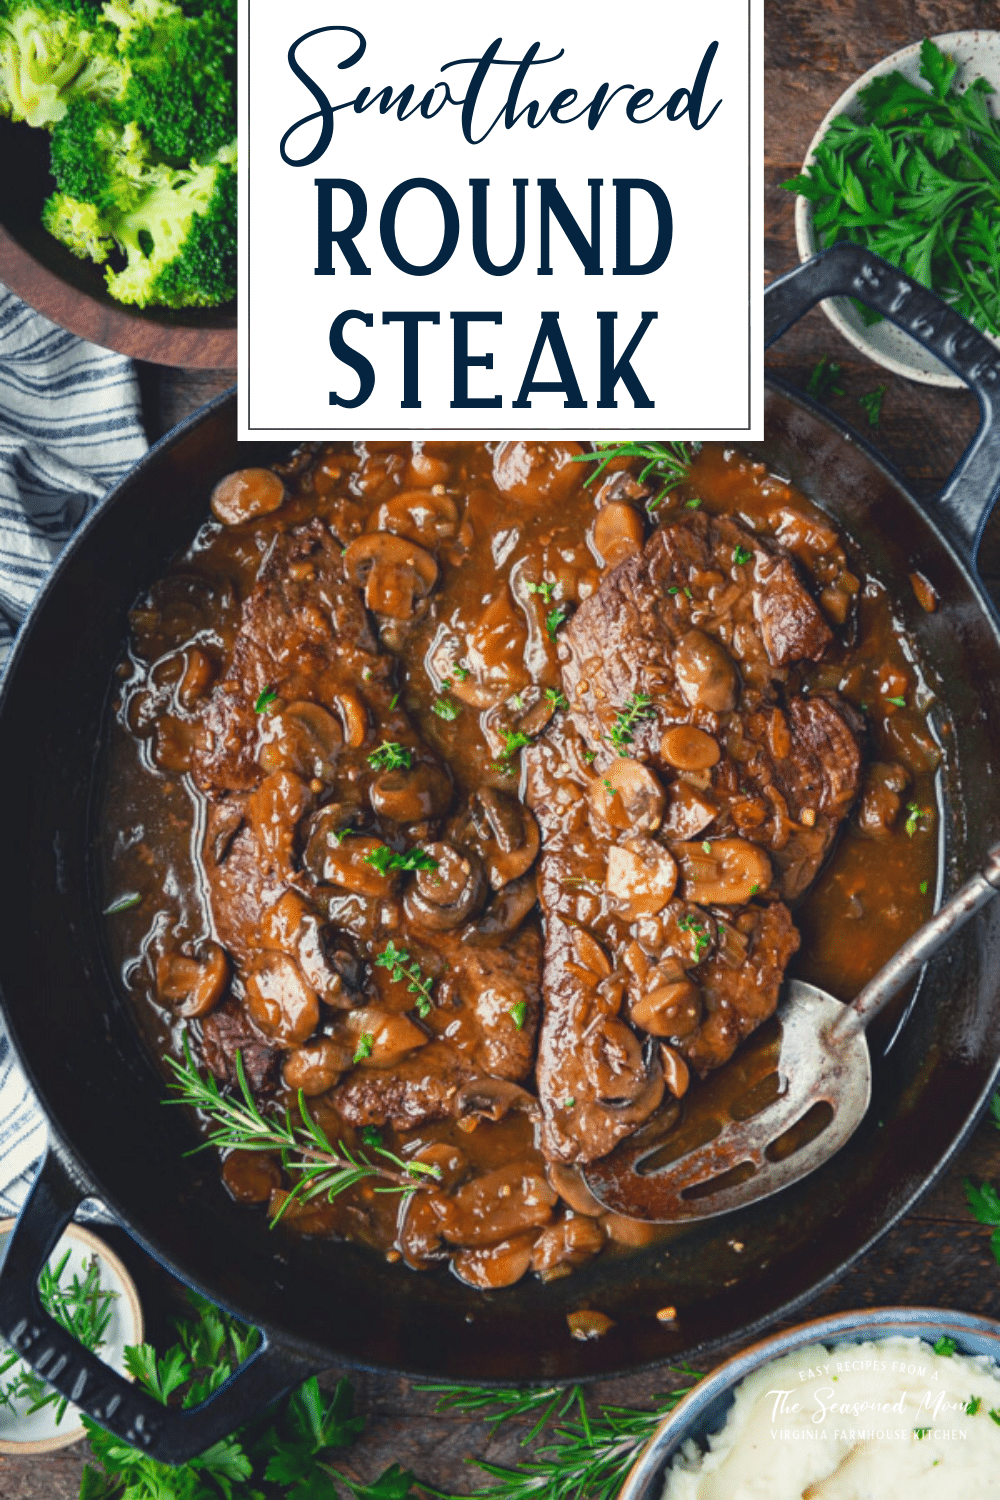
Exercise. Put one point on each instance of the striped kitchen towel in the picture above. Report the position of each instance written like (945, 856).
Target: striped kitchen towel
(70, 427)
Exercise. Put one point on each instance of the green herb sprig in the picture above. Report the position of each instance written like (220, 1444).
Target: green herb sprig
(585, 1455)
(385, 859)
(322, 1169)
(918, 182)
(638, 706)
(668, 464)
(80, 1305)
(402, 967)
(390, 756)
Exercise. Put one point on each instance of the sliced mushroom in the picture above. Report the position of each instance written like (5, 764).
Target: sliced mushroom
(537, 473)
(250, 1176)
(706, 673)
(509, 1200)
(291, 926)
(198, 670)
(419, 515)
(727, 871)
(302, 737)
(572, 1189)
(316, 1067)
(495, 1266)
(199, 983)
(280, 1001)
(492, 1099)
(676, 1073)
(394, 573)
(427, 467)
(562, 1247)
(641, 876)
(670, 1008)
(504, 914)
(618, 533)
(630, 795)
(612, 1056)
(273, 812)
(327, 829)
(345, 861)
(688, 748)
(503, 832)
(411, 796)
(450, 1161)
(444, 898)
(354, 717)
(690, 810)
(381, 1037)
(247, 494)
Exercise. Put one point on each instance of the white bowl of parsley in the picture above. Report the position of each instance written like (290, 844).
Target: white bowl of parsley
(907, 163)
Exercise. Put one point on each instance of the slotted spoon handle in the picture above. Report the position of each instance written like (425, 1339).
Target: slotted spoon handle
(911, 958)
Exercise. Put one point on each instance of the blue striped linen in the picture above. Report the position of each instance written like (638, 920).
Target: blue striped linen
(70, 428)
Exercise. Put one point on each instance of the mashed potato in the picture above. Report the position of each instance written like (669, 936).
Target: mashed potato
(884, 1420)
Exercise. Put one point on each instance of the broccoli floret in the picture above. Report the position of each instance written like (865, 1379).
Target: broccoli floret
(180, 241)
(79, 227)
(51, 50)
(181, 87)
(95, 160)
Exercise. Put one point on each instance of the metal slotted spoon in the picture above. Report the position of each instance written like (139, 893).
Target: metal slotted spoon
(778, 1111)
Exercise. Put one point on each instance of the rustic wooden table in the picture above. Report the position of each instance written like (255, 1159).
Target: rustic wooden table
(937, 1255)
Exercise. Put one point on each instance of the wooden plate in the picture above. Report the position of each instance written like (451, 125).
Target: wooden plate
(72, 292)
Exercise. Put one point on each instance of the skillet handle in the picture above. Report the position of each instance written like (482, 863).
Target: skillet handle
(168, 1434)
(846, 270)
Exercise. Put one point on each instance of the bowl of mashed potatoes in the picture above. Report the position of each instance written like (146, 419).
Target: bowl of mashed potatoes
(902, 1403)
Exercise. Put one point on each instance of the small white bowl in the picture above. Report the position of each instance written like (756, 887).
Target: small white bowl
(977, 53)
(22, 1436)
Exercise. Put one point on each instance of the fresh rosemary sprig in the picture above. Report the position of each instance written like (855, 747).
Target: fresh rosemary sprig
(398, 962)
(668, 463)
(323, 1170)
(637, 706)
(584, 1457)
(83, 1307)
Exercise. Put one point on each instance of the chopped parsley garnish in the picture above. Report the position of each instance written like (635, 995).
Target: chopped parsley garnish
(568, 1103)
(371, 1136)
(706, 847)
(973, 1406)
(754, 889)
(921, 1432)
(923, 888)
(554, 619)
(995, 1414)
(265, 700)
(364, 1048)
(394, 700)
(741, 556)
(914, 813)
(445, 709)
(385, 859)
(545, 589)
(871, 404)
(461, 673)
(390, 756)
(674, 590)
(518, 1013)
(945, 1346)
(702, 933)
(556, 698)
(689, 593)
(897, 702)
(590, 756)
(611, 791)
(124, 903)
(825, 379)
(402, 967)
(638, 706)
(692, 504)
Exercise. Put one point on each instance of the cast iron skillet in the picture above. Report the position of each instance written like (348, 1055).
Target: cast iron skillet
(319, 1303)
